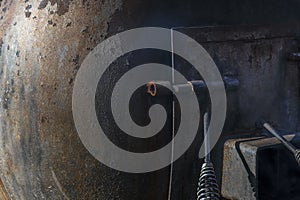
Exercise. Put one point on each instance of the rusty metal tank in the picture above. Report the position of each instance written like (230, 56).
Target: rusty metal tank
(41, 157)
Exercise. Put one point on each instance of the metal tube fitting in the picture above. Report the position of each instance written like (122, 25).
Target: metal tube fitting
(154, 88)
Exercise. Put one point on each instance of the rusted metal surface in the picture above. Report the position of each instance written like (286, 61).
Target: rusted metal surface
(41, 154)
(249, 166)
(41, 157)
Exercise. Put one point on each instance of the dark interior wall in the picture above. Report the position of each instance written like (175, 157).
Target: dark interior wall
(170, 13)
(192, 13)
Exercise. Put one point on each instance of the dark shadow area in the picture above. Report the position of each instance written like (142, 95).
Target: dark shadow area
(170, 13)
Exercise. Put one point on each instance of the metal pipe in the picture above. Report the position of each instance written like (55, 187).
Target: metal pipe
(154, 88)
(295, 56)
(206, 138)
(158, 87)
(208, 188)
(287, 144)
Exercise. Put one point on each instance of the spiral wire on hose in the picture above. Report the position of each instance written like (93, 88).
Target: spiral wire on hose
(208, 188)
(297, 156)
(287, 144)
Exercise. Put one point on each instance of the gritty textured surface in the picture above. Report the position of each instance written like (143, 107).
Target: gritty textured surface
(43, 43)
(42, 46)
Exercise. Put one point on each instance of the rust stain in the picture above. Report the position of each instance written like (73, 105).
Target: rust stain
(1, 43)
(42, 56)
(62, 5)
(7, 15)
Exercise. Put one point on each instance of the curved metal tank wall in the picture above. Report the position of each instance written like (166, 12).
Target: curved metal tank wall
(41, 157)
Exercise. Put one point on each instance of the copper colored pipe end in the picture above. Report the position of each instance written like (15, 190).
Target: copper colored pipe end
(151, 88)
